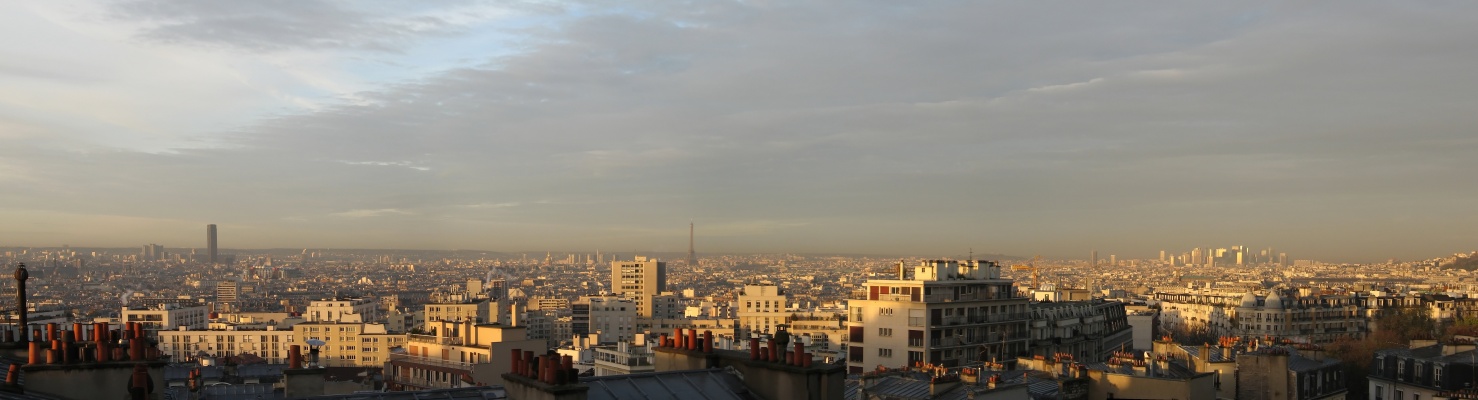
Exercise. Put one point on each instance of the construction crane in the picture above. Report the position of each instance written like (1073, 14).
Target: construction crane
(1030, 265)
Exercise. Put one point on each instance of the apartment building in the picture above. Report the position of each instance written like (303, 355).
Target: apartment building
(167, 316)
(458, 355)
(1302, 317)
(941, 312)
(1089, 330)
(762, 308)
(343, 310)
(349, 344)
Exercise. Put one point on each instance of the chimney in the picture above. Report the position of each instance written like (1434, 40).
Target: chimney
(295, 357)
(20, 298)
(140, 386)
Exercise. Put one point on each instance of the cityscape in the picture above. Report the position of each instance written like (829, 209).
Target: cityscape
(740, 200)
(1197, 322)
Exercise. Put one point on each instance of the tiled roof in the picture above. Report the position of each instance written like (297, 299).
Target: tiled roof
(676, 385)
(467, 393)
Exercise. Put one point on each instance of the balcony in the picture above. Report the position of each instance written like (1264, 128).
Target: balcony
(451, 341)
(407, 359)
(423, 383)
(950, 297)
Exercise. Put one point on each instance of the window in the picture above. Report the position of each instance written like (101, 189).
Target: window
(915, 357)
(915, 317)
(885, 311)
(1437, 375)
(885, 352)
(854, 334)
(854, 354)
(885, 332)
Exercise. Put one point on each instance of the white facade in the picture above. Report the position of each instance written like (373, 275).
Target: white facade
(948, 313)
(343, 310)
(614, 319)
(622, 359)
(167, 317)
(762, 309)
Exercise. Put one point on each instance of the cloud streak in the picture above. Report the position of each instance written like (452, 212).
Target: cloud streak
(845, 127)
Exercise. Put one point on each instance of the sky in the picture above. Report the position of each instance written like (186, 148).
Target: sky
(1339, 131)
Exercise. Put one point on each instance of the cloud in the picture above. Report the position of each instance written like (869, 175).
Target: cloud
(370, 213)
(307, 24)
(919, 127)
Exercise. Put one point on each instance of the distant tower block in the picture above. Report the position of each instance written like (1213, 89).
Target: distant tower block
(210, 243)
(692, 255)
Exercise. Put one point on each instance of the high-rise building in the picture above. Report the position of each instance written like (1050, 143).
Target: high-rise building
(692, 254)
(210, 242)
(227, 293)
(1095, 260)
(152, 252)
(639, 280)
(1113, 260)
(948, 313)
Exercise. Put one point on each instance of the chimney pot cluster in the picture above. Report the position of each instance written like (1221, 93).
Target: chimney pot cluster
(550, 369)
(691, 340)
(772, 351)
(55, 345)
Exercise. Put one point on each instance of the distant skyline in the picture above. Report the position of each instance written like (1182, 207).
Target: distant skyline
(1338, 132)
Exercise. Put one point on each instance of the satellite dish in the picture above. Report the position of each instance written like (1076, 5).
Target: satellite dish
(315, 342)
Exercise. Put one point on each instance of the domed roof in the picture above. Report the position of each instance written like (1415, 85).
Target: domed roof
(1273, 301)
(1249, 300)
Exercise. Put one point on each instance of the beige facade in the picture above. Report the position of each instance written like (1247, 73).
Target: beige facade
(762, 308)
(343, 310)
(186, 345)
(349, 344)
(346, 344)
(475, 311)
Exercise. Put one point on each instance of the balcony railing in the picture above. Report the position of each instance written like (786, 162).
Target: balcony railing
(422, 383)
(411, 359)
(454, 341)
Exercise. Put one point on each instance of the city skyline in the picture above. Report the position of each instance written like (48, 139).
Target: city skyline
(1337, 133)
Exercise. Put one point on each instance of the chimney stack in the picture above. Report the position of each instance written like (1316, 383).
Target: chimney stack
(295, 357)
(20, 298)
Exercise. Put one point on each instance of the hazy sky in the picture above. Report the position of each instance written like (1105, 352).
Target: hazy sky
(1342, 131)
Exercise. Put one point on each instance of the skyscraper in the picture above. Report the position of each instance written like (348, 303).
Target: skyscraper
(692, 255)
(639, 280)
(1095, 260)
(210, 242)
